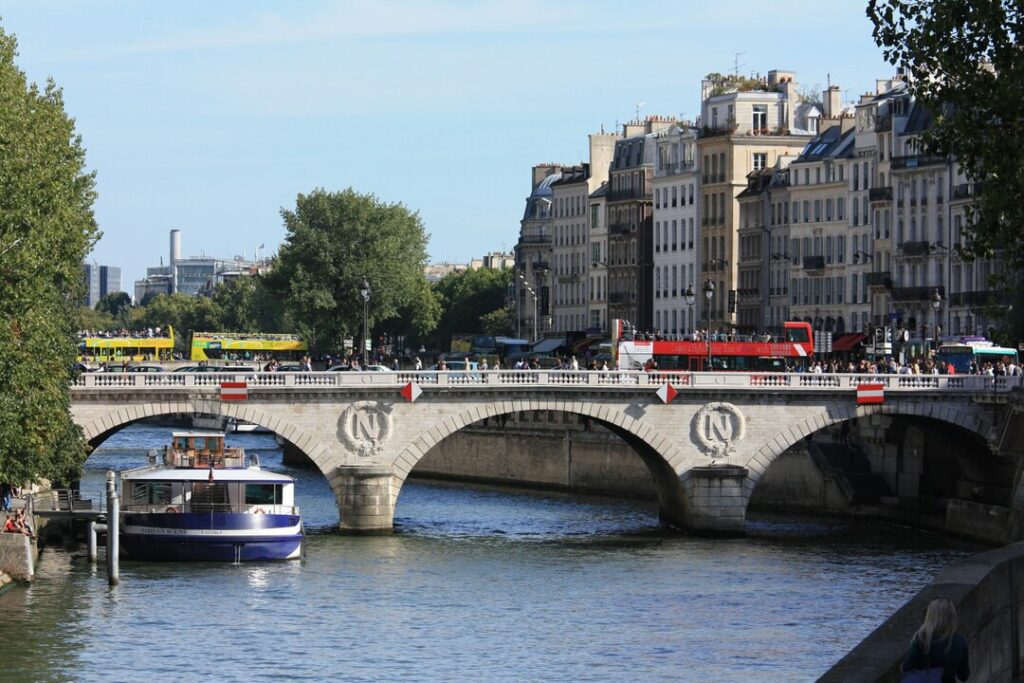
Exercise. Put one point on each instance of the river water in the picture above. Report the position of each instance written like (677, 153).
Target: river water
(474, 585)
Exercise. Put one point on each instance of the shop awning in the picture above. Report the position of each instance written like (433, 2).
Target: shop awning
(547, 345)
(847, 342)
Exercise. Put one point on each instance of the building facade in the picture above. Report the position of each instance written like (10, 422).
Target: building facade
(741, 132)
(99, 282)
(534, 255)
(676, 187)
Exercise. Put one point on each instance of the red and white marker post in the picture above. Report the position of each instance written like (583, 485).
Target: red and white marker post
(868, 394)
(666, 392)
(411, 392)
(234, 391)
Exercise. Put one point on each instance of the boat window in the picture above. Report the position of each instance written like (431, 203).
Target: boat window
(211, 444)
(151, 492)
(181, 443)
(262, 494)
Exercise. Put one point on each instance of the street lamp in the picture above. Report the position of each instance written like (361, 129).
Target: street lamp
(690, 299)
(529, 290)
(364, 294)
(936, 305)
(709, 293)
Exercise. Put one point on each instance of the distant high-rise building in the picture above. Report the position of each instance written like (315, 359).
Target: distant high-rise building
(189, 276)
(99, 282)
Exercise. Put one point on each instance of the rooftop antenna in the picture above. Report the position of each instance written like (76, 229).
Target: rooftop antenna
(736, 63)
(828, 80)
(638, 105)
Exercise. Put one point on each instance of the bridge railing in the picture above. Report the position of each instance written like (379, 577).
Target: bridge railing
(550, 378)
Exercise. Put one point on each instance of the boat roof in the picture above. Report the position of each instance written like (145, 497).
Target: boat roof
(219, 475)
(202, 434)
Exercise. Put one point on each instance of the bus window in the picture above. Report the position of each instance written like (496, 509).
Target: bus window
(796, 334)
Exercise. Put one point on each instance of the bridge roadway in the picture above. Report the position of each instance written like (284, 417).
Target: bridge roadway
(706, 449)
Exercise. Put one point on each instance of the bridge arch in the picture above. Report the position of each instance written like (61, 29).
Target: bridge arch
(972, 421)
(663, 458)
(98, 429)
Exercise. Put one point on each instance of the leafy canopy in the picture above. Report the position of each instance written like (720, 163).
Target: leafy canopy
(46, 230)
(965, 63)
(333, 241)
(468, 299)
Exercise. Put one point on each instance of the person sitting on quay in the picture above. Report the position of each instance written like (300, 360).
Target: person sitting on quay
(22, 524)
(9, 526)
(937, 645)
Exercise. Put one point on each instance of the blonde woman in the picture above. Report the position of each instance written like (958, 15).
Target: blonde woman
(937, 652)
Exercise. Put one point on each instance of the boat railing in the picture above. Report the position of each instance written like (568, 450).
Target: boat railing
(196, 459)
(204, 508)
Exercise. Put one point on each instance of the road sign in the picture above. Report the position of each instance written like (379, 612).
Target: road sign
(411, 392)
(666, 393)
(868, 394)
(233, 391)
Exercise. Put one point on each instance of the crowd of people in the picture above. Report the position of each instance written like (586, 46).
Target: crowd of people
(17, 524)
(125, 333)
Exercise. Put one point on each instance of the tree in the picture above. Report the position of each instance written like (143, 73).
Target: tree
(336, 239)
(118, 305)
(964, 63)
(46, 230)
(498, 322)
(466, 297)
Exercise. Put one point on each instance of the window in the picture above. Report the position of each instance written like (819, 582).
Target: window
(262, 494)
(760, 118)
(760, 160)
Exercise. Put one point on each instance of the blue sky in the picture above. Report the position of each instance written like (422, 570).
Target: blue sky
(211, 116)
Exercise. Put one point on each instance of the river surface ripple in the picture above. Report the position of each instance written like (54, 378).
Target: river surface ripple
(474, 585)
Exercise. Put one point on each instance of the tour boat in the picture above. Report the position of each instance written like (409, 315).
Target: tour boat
(207, 502)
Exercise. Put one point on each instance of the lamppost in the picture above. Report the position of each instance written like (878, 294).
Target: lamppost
(936, 305)
(709, 293)
(529, 290)
(690, 299)
(364, 294)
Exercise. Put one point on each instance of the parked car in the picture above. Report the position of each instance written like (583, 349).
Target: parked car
(130, 368)
(341, 367)
(456, 365)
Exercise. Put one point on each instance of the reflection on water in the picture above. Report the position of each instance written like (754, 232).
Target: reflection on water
(473, 585)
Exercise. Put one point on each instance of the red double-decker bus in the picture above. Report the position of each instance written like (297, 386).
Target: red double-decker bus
(742, 353)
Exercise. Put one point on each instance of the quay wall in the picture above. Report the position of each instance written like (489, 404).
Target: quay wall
(17, 558)
(988, 590)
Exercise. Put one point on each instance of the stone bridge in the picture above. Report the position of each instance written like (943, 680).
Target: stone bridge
(706, 449)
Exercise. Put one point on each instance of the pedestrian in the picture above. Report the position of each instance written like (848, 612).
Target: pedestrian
(483, 363)
(937, 652)
(418, 364)
(574, 364)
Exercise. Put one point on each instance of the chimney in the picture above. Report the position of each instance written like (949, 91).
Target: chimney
(175, 257)
(833, 105)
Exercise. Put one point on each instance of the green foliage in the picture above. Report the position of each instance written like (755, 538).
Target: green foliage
(46, 230)
(91, 319)
(964, 62)
(498, 322)
(465, 298)
(333, 241)
(723, 84)
(245, 305)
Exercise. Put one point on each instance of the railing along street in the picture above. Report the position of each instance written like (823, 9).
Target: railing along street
(493, 379)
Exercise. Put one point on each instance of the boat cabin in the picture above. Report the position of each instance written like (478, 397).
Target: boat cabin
(201, 450)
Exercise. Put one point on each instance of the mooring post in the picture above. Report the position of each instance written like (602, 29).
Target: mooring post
(113, 524)
(91, 538)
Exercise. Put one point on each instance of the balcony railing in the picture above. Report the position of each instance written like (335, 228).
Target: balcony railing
(618, 298)
(883, 124)
(916, 294)
(618, 229)
(814, 262)
(880, 278)
(966, 190)
(674, 167)
(539, 265)
(978, 299)
(917, 161)
(629, 194)
(880, 194)
(535, 239)
(919, 248)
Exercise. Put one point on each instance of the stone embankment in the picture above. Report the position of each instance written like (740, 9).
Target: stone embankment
(988, 590)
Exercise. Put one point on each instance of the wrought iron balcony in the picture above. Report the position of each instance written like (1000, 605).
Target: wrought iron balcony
(978, 299)
(883, 124)
(618, 229)
(917, 161)
(814, 262)
(535, 239)
(880, 194)
(879, 278)
(916, 294)
(918, 248)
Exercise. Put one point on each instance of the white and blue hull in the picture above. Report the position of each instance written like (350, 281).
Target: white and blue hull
(210, 536)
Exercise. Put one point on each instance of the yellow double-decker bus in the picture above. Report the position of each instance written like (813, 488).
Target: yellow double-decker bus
(127, 346)
(246, 346)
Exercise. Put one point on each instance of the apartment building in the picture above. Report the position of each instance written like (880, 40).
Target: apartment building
(533, 254)
(598, 273)
(745, 127)
(630, 227)
(571, 248)
(676, 187)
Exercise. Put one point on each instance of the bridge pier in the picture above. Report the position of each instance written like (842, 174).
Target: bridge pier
(717, 500)
(366, 496)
